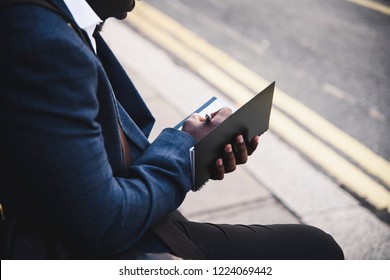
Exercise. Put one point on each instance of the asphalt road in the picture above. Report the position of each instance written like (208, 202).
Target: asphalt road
(332, 56)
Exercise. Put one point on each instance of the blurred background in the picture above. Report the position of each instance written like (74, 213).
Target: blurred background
(325, 159)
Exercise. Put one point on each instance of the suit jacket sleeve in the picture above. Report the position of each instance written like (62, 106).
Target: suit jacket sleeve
(54, 146)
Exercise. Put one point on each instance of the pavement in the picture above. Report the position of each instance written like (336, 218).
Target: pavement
(277, 185)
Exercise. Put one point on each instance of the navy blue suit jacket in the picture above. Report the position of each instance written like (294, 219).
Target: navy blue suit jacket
(60, 147)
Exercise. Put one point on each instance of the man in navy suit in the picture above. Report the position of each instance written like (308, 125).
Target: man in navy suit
(82, 179)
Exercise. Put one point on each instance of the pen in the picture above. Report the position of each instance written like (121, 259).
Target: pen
(208, 118)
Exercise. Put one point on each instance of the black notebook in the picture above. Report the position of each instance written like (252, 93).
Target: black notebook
(249, 120)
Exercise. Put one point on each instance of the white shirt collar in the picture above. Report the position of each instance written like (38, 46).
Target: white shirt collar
(84, 16)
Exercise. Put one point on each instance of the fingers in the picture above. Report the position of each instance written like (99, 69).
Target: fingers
(231, 158)
(242, 151)
(218, 171)
(253, 144)
(225, 165)
(221, 115)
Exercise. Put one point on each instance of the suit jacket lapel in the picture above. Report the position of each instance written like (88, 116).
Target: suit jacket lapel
(136, 119)
(124, 89)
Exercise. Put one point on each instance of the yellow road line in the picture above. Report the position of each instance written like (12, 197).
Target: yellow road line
(364, 157)
(372, 5)
(155, 27)
(345, 172)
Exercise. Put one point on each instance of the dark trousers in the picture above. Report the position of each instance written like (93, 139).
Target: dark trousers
(257, 242)
(242, 242)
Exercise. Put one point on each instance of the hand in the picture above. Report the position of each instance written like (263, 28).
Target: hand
(231, 159)
(197, 126)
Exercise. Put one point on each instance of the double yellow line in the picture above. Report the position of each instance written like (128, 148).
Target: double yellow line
(240, 83)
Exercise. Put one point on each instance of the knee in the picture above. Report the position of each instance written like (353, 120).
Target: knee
(325, 244)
